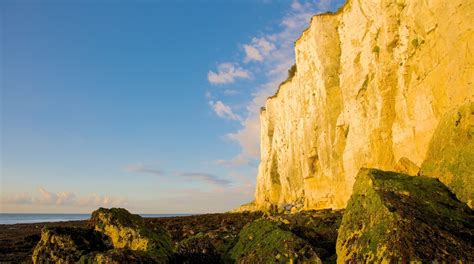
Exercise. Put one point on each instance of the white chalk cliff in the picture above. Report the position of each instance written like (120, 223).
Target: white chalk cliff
(372, 82)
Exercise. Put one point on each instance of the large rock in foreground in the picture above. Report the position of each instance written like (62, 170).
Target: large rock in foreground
(66, 244)
(263, 241)
(396, 217)
(450, 156)
(128, 231)
(117, 256)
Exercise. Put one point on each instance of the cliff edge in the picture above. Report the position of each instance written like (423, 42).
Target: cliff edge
(372, 83)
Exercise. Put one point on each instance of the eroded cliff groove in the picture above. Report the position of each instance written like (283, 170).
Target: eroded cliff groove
(372, 82)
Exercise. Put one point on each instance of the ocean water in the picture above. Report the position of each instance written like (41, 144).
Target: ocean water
(38, 218)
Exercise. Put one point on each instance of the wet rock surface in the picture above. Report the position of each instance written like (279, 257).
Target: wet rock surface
(196, 249)
(207, 238)
(117, 256)
(394, 217)
(18, 241)
(266, 241)
(391, 217)
(128, 231)
(67, 244)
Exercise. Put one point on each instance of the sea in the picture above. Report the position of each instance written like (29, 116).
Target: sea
(9, 219)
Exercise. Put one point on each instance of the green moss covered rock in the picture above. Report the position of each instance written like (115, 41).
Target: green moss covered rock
(117, 256)
(318, 228)
(67, 244)
(450, 156)
(393, 217)
(197, 249)
(264, 241)
(128, 231)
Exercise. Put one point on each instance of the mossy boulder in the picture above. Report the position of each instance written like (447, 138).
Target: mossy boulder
(450, 156)
(117, 256)
(394, 217)
(318, 228)
(264, 241)
(128, 231)
(196, 249)
(67, 244)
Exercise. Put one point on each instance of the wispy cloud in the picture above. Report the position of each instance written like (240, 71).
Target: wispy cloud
(140, 167)
(230, 92)
(45, 197)
(206, 177)
(195, 176)
(224, 111)
(227, 73)
(258, 49)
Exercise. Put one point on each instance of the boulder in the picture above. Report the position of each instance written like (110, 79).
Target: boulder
(128, 231)
(319, 228)
(196, 249)
(394, 217)
(67, 244)
(264, 241)
(117, 256)
(450, 155)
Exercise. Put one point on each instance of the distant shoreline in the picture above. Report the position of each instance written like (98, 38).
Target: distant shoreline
(31, 218)
(18, 240)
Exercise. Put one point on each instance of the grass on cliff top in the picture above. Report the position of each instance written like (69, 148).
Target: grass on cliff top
(291, 73)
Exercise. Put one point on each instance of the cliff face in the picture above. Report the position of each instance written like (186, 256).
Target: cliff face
(371, 85)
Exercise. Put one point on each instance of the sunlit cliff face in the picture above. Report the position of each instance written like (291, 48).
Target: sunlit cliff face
(371, 85)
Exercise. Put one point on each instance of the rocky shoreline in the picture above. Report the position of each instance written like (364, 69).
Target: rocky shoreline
(18, 241)
(390, 217)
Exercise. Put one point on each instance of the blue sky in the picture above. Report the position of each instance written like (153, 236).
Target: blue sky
(148, 105)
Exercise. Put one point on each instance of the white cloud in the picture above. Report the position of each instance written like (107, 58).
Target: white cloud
(206, 177)
(224, 111)
(258, 49)
(22, 198)
(140, 167)
(296, 5)
(230, 92)
(248, 137)
(46, 197)
(252, 54)
(324, 4)
(55, 198)
(227, 73)
(102, 201)
(199, 176)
